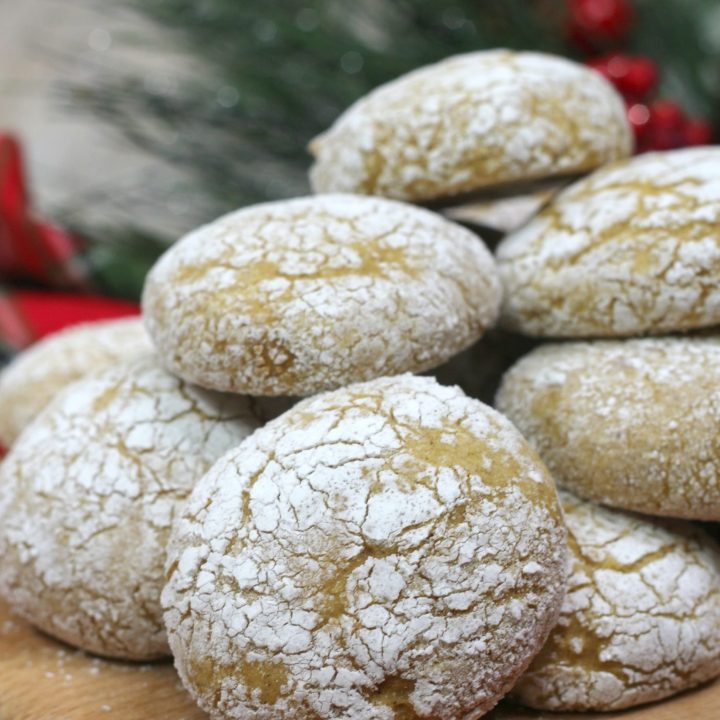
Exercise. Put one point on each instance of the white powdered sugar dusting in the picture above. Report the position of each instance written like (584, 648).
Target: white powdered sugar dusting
(632, 249)
(379, 552)
(293, 297)
(473, 121)
(35, 376)
(88, 494)
(641, 618)
(633, 423)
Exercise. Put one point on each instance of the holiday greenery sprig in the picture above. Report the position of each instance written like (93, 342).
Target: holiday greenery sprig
(274, 74)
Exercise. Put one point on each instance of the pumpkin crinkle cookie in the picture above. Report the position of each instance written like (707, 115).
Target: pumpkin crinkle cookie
(390, 550)
(633, 424)
(473, 121)
(299, 296)
(89, 492)
(36, 375)
(632, 249)
(641, 618)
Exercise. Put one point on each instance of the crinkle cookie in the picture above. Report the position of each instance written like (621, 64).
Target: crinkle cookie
(472, 121)
(298, 296)
(632, 249)
(633, 424)
(35, 376)
(392, 549)
(87, 496)
(641, 619)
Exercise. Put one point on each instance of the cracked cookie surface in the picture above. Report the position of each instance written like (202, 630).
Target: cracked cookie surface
(35, 376)
(632, 424)
(294, 297)
(632, 249)
(641, 618)
(87, 496)
(473, 121)
(392, 550)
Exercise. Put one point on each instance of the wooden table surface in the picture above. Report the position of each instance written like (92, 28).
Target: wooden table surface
(41, 679)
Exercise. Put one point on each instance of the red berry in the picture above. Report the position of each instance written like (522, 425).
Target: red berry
(667, 126)
(697, 132)
(640, 79)
(634, 77)
(667, 115)
(618, 67)
(599, 21)
(661, 138)
(638, 116)
(614, 66)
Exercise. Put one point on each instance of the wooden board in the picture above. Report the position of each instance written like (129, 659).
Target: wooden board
(41, 679)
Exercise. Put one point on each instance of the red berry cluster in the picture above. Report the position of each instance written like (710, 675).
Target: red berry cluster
(599, 23)
(658, 124)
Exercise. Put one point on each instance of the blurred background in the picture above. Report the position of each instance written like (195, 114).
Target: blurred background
(126, 123)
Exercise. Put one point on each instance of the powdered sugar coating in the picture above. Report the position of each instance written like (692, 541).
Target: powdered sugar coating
(35, 376)
(641, 618)
(87, 496)
(392, 549)
(294, 297)
(473, 121)
(633, 424)
(632, 249)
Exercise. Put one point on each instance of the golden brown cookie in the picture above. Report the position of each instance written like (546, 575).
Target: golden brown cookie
(298, 296)
(392, 549)
(35, 376)
(641, 619)
(88, 494)
(472, 121)
(632, 249)
(633, 424)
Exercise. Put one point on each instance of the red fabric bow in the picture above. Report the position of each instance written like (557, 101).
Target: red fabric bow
(45, 254)
(30, 248)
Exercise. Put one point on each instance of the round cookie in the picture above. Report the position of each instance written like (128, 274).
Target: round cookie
(392, 549)
(298, 296)
(35, 376)
(473, 121)
(632, 249)
(633, 424)
(87, 497)
(641, 618)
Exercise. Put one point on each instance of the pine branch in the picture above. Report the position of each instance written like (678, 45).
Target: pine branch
(274, 73)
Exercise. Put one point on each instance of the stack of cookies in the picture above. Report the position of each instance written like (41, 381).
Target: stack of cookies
(630, 422)
(389, 548)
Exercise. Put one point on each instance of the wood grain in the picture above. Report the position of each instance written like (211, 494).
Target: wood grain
(42, 679)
